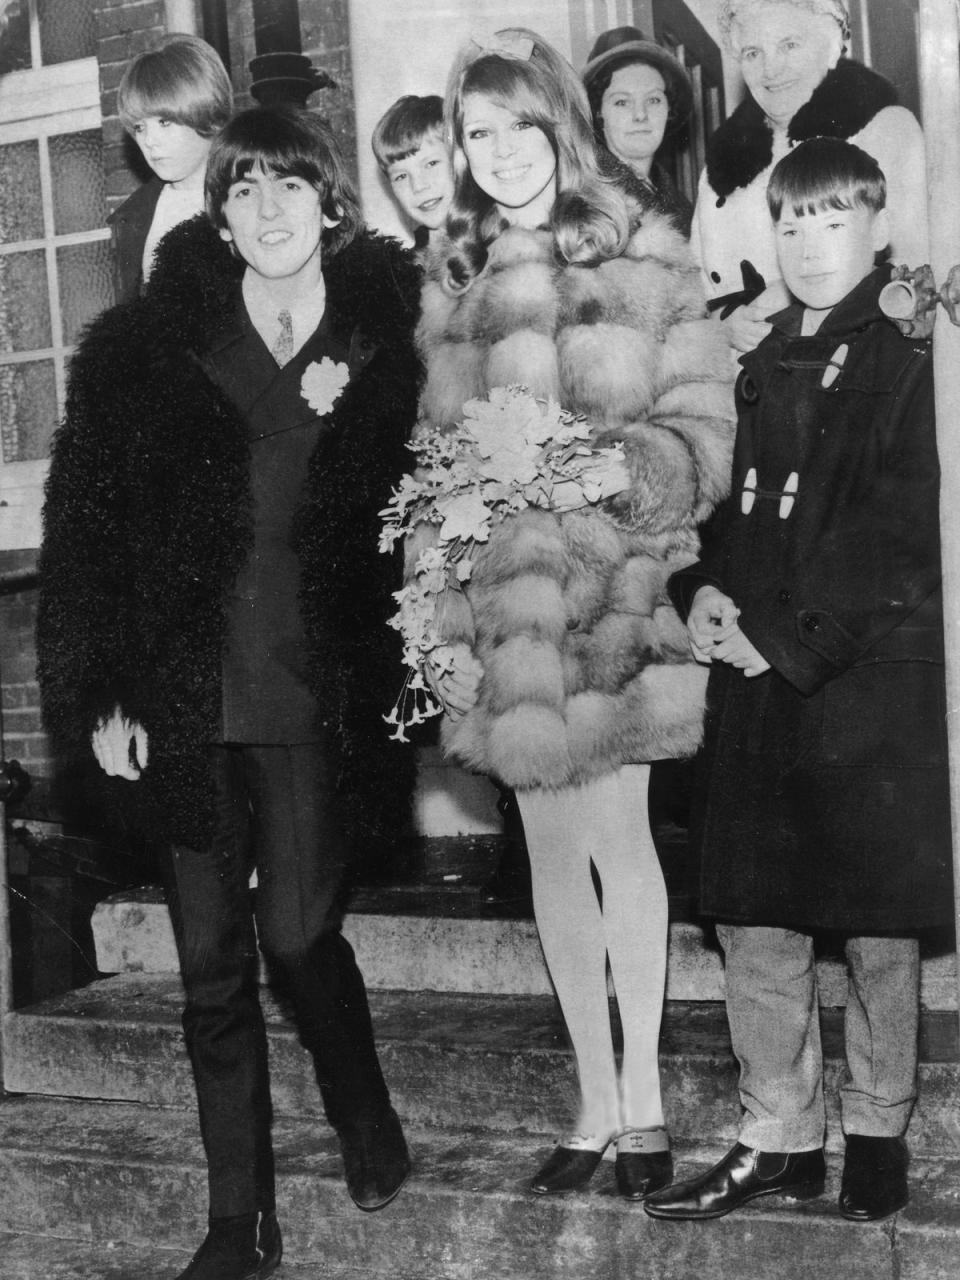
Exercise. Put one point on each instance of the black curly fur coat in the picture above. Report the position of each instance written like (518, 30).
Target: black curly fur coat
(147, 519)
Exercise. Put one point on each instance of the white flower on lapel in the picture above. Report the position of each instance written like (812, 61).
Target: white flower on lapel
(322, 383)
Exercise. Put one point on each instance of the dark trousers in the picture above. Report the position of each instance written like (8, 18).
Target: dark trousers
(274, 813)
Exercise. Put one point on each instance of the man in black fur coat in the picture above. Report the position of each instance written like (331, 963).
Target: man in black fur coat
(212, 621)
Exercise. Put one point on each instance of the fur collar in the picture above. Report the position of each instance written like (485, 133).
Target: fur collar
(194, 280)
(844, 102)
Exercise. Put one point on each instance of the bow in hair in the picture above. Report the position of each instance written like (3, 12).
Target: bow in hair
(506, 44)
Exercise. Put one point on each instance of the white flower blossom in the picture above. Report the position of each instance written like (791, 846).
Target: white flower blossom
(322, 384)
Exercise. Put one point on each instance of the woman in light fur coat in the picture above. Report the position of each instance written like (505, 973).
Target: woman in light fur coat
(572, 670)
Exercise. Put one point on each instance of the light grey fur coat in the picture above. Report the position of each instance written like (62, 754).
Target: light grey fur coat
(586, 664)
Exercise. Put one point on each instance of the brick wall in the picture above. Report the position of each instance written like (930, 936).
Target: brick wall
(23, 736)
(325, 32)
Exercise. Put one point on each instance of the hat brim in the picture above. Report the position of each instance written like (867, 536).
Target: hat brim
(675, 78)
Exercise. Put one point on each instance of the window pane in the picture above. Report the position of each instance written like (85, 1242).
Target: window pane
(15, 37)
(24, 276)
(76, 165)
(28, 410)
(86, 284)
(66, 30)
(21, 208)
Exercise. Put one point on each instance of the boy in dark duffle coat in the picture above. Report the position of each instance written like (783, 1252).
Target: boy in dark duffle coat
(212, 621)
(825, 803)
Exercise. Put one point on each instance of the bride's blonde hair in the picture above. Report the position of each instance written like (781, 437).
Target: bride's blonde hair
(520, 72)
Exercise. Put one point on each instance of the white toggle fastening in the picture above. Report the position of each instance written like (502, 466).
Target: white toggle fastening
(749, 495)
(789, 492)
(832, 372)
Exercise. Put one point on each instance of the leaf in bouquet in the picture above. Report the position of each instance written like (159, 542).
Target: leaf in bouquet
(462, 472)
(539, 493)
(495, 491)
(464, 516)
(568, 495)
(510, 467)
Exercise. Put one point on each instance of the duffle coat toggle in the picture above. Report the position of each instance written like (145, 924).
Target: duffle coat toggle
(832, 368)
(786, 496)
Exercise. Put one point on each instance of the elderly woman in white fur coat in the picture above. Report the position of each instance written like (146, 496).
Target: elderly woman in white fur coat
(572, 670)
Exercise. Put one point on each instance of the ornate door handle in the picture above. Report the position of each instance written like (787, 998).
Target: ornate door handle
(910, 299)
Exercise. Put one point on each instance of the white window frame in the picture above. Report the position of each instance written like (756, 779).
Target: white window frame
(35, 106)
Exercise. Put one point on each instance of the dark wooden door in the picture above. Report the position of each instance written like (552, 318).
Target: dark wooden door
(677, 29)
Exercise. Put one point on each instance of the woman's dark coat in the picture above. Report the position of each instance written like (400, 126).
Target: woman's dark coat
(130, 225)
(147, 520)
(826, 797)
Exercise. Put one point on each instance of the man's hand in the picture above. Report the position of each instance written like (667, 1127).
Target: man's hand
(120, 746)
(460, 687)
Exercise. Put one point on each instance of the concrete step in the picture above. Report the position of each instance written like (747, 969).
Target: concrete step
(134, 1176)
(34, 1257)
(500, 1063)
(429, 937)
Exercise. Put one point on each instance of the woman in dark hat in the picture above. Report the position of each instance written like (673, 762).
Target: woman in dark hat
(639, 96)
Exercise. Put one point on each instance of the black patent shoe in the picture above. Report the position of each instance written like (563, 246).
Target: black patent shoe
(244, 1248)
(644, 1163)
(566, 1169)
(376, 1161)
(874, 1181)
(743, 1174)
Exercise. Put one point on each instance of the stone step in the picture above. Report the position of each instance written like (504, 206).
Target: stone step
(34, 1257)
(432, 938)
(500, 1063)
(98, 1173)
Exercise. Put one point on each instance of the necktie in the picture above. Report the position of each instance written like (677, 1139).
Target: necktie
(283, 347)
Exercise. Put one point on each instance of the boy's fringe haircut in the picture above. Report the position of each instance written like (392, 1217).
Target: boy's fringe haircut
(182, 80)
(403, 127)
(826, 173)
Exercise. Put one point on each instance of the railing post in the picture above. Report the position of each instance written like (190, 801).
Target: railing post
(940, 96)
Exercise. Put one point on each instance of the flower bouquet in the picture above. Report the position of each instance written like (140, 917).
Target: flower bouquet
(510, 452)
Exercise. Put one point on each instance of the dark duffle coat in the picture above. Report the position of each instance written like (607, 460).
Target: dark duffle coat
(825, 795)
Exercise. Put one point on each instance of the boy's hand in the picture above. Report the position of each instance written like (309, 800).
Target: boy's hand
(737, 651)
(120, 746)
(712, 617)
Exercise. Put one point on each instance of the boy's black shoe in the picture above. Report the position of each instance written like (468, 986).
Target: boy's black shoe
(741, 1176)
(375, 1158)
(874, 1182)
(244, 1248)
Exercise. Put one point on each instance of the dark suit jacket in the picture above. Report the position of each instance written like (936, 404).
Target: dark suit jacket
(266, 694)
(130, 225)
